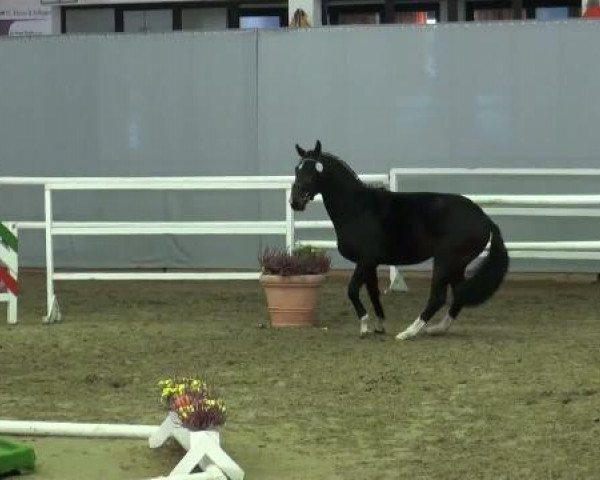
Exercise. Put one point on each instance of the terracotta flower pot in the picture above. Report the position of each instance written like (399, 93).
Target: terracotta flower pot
(292, 301)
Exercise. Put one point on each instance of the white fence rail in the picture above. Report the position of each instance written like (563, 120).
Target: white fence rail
(513, 205)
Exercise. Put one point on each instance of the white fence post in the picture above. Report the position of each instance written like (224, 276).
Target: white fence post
(290, 236)
(397, 282)
(53, 311)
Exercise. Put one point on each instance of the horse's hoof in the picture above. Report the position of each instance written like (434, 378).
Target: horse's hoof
(363, 335)
(379, 331)
(405, 336)
(415, 329)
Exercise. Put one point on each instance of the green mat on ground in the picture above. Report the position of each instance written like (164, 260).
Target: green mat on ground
(15, 457)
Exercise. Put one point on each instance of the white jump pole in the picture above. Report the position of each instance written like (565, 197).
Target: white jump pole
(203, 448)
(67, 429)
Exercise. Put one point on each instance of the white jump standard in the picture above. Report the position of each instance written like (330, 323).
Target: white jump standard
(203, 450)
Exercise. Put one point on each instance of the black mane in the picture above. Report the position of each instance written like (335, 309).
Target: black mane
(332, 159)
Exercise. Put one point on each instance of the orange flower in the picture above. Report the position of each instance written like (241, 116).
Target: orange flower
(179, 401)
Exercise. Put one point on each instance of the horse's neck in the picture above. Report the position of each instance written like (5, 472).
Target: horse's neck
(342, 198)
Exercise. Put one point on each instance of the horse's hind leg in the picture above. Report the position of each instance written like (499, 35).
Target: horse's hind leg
(373, 289)
(437, 298)
(356, 282)
(444, 324)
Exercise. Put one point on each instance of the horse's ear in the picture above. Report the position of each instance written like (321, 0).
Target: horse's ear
(318, 147)
(300, 151)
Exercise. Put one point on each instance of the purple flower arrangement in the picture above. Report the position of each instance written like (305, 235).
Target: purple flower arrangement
(301, 261)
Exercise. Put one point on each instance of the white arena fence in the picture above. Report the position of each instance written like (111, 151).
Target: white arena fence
(495, 205)
(285, 227)
(525, 206)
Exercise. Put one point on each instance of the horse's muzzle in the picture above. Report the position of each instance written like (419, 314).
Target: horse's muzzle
(300, 198)
(298, 204)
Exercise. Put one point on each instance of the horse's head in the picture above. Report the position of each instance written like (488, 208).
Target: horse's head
(309, 173)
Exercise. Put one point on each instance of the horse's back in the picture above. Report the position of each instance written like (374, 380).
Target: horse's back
(435, 208)
(422, 224)
(400, 228)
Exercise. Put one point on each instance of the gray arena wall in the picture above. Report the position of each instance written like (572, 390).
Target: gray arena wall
(506, 95)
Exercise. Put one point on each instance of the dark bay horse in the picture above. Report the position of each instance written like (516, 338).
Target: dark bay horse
(378, 227)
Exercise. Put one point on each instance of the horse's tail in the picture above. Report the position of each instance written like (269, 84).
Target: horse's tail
(488, 276)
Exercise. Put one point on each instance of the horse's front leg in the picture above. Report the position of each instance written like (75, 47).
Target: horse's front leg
(356, 282)
(374, 295)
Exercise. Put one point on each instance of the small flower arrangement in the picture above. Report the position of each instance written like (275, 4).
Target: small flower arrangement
(301, 261)
(196, 407)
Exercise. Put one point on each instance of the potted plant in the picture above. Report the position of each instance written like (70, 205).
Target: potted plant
(195, 406)
(292, 282)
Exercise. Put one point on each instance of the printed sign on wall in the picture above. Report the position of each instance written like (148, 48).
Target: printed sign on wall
(24, 17)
